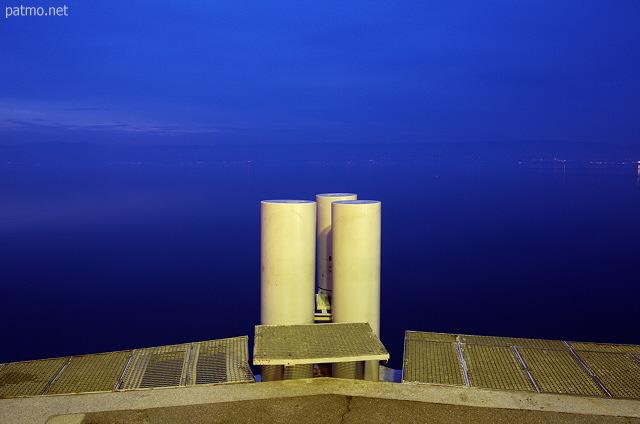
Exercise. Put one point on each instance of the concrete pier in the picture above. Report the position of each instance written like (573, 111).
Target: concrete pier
(320, 400)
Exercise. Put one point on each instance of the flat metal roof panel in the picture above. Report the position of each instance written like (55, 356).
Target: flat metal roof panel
(603, 347)
(212, 361)
(220, 361)
(432, 362)
(618, 372)
(557, 371)
(434, 337)
(495, 367)
(91, 373)
(316, 343)
(29, 378)
(513, 341)
(163, 366)
(591, 369)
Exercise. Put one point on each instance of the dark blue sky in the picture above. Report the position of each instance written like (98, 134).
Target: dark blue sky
(170, 72)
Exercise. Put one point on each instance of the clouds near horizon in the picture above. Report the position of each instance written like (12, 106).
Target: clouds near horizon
(290, 71)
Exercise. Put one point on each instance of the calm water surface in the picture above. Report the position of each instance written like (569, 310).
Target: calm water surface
(116, 257)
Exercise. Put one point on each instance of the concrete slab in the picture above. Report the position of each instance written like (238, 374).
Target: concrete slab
(325, 400)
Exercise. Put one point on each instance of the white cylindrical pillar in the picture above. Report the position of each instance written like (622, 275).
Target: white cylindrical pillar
(288, 229)
(288, 262)
(323, 238)
(356, 233)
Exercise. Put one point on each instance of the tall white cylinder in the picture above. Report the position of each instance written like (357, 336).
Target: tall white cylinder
(323, 238)
(287, 278)
(288, 254)
(356, 233)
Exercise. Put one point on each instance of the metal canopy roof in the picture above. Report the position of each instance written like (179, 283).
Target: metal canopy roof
(545, 366)
(316, 343)
(212, 361)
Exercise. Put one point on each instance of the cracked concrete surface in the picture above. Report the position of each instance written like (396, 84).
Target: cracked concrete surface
(328, 409)
(320, 400)
(347, 409)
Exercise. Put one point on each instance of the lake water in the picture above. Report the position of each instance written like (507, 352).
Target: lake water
(115, 257)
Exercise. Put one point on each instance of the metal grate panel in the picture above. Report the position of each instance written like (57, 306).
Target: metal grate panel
(91, 373)
(619, 372)
(495, 367)
(162, 366)
(601, 347)
(557, 371)
(220, 361)
(210, 365)
(434, 337)
(523, 364)
(213, 361)
(316, 343)
(29, 378)
(513, 341)
(431, 362)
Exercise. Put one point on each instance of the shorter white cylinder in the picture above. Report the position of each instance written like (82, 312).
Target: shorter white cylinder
(323, 240)
(356, 233)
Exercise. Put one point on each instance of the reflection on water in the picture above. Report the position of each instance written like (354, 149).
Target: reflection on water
(117, 257)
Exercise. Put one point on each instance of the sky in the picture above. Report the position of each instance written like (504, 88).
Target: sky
(295, 71)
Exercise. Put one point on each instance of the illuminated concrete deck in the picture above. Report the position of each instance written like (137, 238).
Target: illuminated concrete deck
(319, 400)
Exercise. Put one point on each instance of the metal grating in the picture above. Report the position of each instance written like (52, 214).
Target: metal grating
(91, 373)
(29, 378)
(214, 361)
(220, 361)
(432, 362)
(601, 347)
(619, 372)
(434, 337)
(557, 371)
(211, 366)
(162, 366)
(495, 367)
(590, 369)
(316, 343)
(513, 341)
